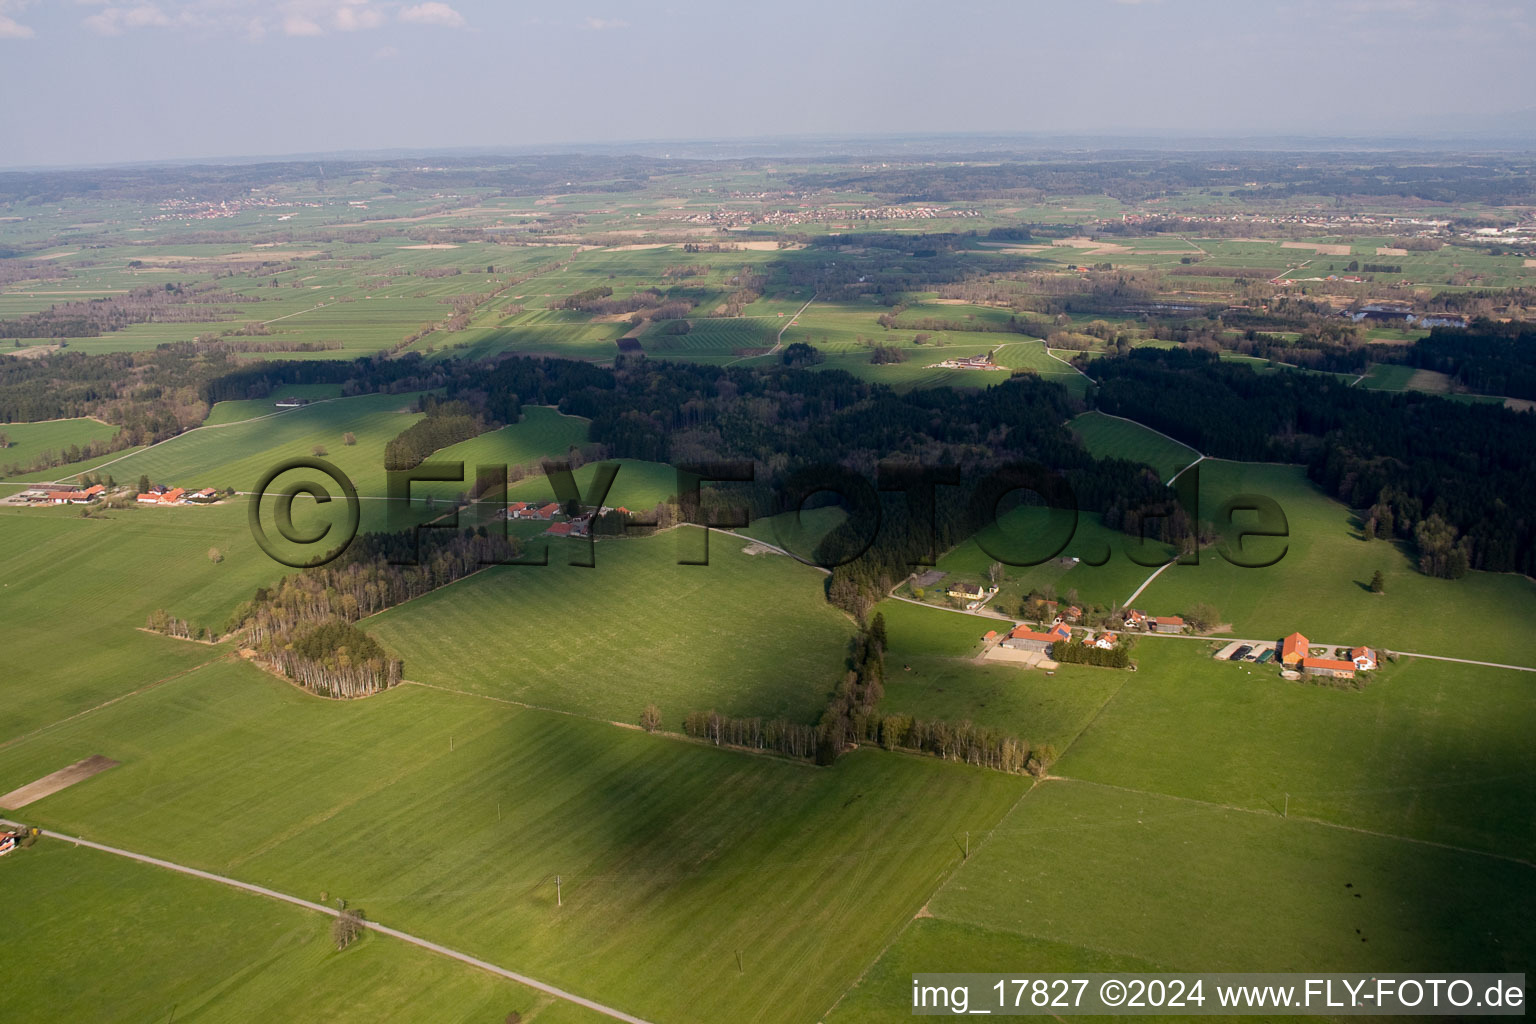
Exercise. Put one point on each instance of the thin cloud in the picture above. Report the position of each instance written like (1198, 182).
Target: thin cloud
(433, 13)
(604, 24)
(114, 20)
(10, 28)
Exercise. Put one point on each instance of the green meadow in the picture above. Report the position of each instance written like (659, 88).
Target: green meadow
(1108, 436)
(31, 441)
(932, 673)
(745, 634)
(697, 884)
(1081, 877)
(1104, 572)
(1428, 750)
(217, 954)
(1321, 585)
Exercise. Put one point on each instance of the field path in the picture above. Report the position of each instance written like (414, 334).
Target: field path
(427, 944)
(779, 341)
(1147, 583)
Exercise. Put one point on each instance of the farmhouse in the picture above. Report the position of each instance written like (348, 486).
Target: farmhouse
(1292, 650)
(1363, 657)
(1104, 641)
(1328, 667)
(291, 403)
(966, 592)
(1167, 624)
(162, 496)
(1135, 619)
(516, 509)
(559, 530)
(544, 511)
(991, 635)
(84, 497)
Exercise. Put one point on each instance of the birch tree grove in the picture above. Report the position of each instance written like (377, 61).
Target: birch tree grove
(304, 626)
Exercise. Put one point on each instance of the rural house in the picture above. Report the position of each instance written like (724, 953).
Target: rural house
(84, 497)
(1363, 657)
(966, 592)
(1167, 624)
(1292, 650)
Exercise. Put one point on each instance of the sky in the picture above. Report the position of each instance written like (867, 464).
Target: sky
(109, 81)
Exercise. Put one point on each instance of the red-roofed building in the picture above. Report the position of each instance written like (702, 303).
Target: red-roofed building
(1167, 624)
(546, 511)
(1135, 619)
(1104, 641)
(991, 635)
(1292, 649)
(1025, 639)
(559, 530)
(1328, 667)
(1363, 657)
(84, 497)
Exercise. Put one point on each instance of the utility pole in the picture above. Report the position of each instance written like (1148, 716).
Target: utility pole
(967, 845)
(738, 963)
(558, 902)
(1287, 812)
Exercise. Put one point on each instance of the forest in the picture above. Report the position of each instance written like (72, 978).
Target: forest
(1466, 464)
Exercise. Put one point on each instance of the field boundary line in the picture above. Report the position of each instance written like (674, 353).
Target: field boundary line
(938, 888)
(120, 697)
(1323, 822)
(383, 929)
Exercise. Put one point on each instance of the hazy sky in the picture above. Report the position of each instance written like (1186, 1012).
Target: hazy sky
(98, 81)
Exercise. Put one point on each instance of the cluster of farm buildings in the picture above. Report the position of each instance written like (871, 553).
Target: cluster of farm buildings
(1023, 637)
(162, 495)
(157, 495)
(981, 362)
(82, 496)
(560, 525)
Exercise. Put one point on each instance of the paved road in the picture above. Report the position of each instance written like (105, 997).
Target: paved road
(780, 339)
(414, 940)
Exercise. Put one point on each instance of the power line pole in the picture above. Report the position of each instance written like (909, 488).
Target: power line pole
(967, 845)
(558, 902)
(1287, 812)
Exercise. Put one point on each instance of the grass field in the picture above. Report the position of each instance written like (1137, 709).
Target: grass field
(639, 486)
(1087, 878)
(250, 408)
(1321, 585)
(223, 955)
(31, 441)
(759, 638)
(1108, 436)
(1031, 532)
(69, 579)
(449, 815)
(932, 673)
(1427, 750)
